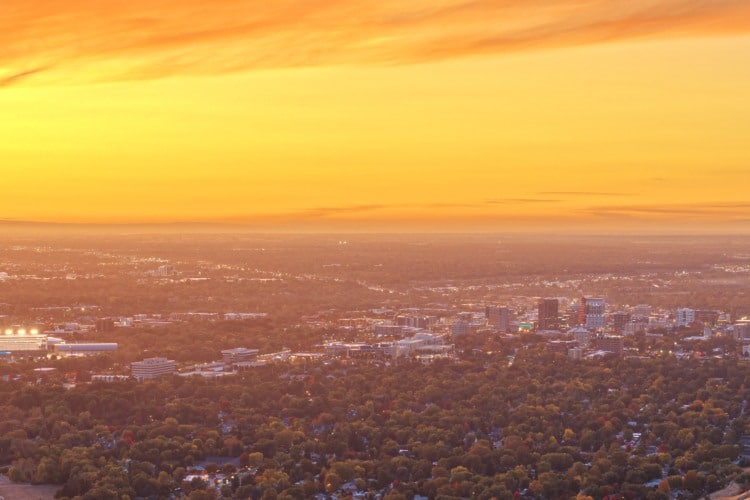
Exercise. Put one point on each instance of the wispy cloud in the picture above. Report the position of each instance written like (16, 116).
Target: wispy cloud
(481, 208)
(18, 76)
(582, 193)
(709, 211)
(323, 212)
(87, 41)
(506, 209)
(516, 201)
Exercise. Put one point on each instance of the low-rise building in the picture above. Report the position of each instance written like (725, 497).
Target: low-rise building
(109, 378)
(561, 346)
(239, 354)
(611, 343)
(742, 329)
(575, 353)
(85, 349)
(22, 342)
(581, 335)
(344, 348)
(387, 329)
(460, 327)
(152, 368)
(243, 316)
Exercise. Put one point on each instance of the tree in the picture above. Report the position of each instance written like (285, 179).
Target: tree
(692, 482)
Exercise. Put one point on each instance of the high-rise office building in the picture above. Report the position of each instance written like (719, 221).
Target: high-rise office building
(642, 311)
(548, 314)
(460, 327)
(684, 316)
(707, 317)
(573, 314)
(498, 318)
(619, 320)
(593, 313)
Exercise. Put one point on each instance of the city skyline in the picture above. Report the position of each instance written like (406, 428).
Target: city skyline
(328, 116)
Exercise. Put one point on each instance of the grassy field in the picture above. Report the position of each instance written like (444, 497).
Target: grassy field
(11, 491)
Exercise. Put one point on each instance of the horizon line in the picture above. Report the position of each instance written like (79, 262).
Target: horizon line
(218, 227)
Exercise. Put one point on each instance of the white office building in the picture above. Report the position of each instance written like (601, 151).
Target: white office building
(684, 317)
(20, 341)
(152, 368)
(594, 310)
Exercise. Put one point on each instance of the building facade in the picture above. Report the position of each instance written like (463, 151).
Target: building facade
(593, 309)
(684, 317)
(581, 335)
(611, 343)
(388, 329)
(13, 342)
(152, 368)
(548, 317)
(84, 349)
(619, 320)
(239, 354)
(498, 317)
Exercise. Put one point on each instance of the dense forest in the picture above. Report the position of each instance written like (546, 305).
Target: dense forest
(542, 426)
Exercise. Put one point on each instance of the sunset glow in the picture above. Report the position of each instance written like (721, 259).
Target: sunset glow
(320, 115)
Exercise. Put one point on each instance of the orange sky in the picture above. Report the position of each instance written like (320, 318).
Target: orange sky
(377, 115)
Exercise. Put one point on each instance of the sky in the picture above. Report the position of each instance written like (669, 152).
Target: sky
(365, 115)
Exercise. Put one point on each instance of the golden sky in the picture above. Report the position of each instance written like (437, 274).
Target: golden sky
(378, 114)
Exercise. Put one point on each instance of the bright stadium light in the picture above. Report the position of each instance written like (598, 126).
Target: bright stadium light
(34, 331)
(21, 331)
(8, 331)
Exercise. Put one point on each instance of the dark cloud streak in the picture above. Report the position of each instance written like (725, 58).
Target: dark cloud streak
(514, 201)
(702, 210)
(22, 75)
(582, 193)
